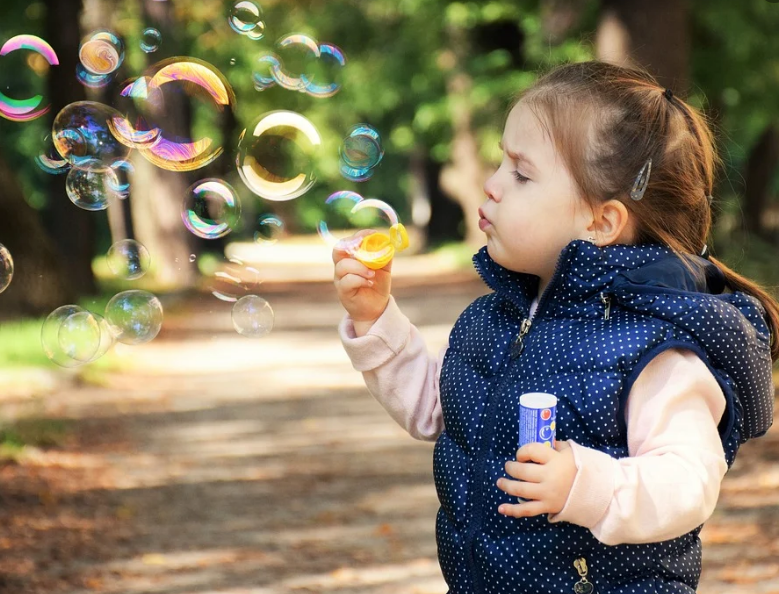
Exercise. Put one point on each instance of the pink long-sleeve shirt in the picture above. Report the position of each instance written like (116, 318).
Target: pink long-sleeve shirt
(667, 486)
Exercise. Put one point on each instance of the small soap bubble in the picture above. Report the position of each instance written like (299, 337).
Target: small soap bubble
(297, 54)
(6, 268)
(120, 181)
(128, 259)
(252, 316)
(232, 61)
(211, 208)
(234, 280)
(150, 40)
(50, 161)
(360, 152)
(91, 80)
(82, 136)
(135, 316)
(262, 74)
(90, 190)
(101, 52)
(246, 19)
(338, 209)
(269, 229)
(277, 154)
(30, 108)
(79, 336)
(322, 77)
(192, 257)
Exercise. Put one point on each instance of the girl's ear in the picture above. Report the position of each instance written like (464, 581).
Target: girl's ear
(612, 223)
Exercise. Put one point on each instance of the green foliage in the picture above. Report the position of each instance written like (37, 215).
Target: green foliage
(32, 432)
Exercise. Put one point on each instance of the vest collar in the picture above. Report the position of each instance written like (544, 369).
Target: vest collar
(584, 270)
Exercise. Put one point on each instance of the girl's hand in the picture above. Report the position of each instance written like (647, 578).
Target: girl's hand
(546, 483)
(363, 292)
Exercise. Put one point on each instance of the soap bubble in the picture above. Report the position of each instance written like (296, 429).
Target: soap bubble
(90, 190)
(6, 268)
(50, 160)
(252, 316)
(234, 280)
(192, 257)
(296, 52)
(269, 229)
(135, 316)
(360, 153)
(150, 40)
(93, 81)
(263, 71)
(23, 110)
(101, 52)
(82, 136)
(381, 246)
(120, 181)
(128, 259)
(155, 140)
(322, 77)
(338, 210)
(211, 208)
(246, 19)
(67, 336)
(276, 155)
(79, 336)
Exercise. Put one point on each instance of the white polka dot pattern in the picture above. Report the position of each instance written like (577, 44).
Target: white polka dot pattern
(590, 362)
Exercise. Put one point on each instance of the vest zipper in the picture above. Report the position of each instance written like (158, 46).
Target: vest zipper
(518, 345)
(606, 299)
(582, 586)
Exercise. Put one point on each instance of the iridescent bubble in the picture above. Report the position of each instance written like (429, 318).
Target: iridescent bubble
(269, 229)
(50, 160)
(101, 52)
(79, 336)
(120, 182)
(338, 209)
(296, 52)
(158, 143)
(322, 78)
(234, 280)
(277, 154)
(262, 74)
(6, 268)
(68, 338)
(91, 190)
(360, 153)
(128, 259)
(135, 316)
(192, 257)
(382, 245)
(93, 81)
(246, 19)
(82, 136)
(23, 110)
(252, 316)
(211, 208)
(150, 40)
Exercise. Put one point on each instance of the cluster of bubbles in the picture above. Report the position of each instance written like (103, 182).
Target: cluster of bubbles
(92, 144)
(300, 63)
(360, 153)
(72, 336)
(246, 19)
(6, 268)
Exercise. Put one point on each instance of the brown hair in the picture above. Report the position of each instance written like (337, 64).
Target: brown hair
(606, 121)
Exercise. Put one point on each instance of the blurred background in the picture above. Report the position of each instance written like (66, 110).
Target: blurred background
(208, 461)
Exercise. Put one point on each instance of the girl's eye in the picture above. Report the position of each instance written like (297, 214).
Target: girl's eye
(519, 177)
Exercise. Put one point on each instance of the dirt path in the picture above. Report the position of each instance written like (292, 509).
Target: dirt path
(228, 465)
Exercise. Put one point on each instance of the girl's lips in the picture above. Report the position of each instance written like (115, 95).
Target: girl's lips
(484, 223)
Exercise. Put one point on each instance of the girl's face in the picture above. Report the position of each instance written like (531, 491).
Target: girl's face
(533, 209)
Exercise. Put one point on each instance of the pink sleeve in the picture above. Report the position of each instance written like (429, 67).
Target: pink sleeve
(398, 370)
(670, 482)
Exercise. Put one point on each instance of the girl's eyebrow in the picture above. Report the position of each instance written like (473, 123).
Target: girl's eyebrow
(516, 156)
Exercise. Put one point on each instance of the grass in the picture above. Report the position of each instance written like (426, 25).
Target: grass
(17, 437)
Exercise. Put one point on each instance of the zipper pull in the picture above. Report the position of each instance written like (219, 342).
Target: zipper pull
(582, 586)
(518, 345)
(606, 299)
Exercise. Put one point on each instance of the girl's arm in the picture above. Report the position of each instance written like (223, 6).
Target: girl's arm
(671, 481)
(398, 370)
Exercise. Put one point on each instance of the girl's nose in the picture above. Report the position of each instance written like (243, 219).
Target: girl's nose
(491, 188)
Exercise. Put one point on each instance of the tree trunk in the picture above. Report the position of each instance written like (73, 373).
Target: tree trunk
(71, 228)
(39, 283)
(652, 33)
(760, 167)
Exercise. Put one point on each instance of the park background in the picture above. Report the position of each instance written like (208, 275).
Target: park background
(204, 461)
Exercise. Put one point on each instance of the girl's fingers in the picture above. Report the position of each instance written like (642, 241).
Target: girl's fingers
(339, 249)
(352, 266)
(520, 489)
(353, 282)
(522, 510)
(525, 471)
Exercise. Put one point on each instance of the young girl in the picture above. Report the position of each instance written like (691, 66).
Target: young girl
(603, 295)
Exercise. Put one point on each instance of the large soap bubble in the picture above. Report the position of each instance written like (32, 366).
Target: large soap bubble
(277, 155)
(91, 190)
(23, 110)
(82, 136)
(128, 259)
(135, 316)
(101, 52)
(252, 316)
(211, 208)
(72, 336)
(6, 268)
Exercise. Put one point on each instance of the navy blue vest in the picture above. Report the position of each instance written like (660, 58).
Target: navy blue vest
(604, 315)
